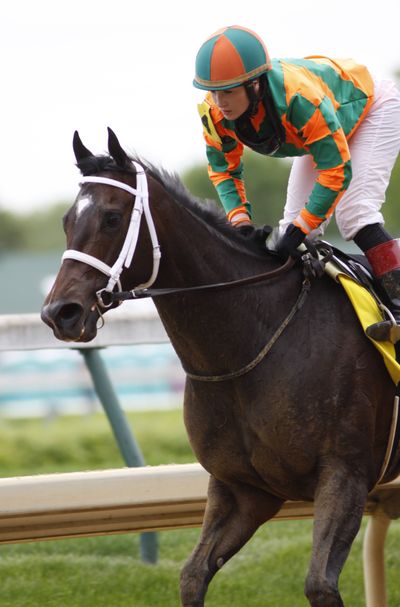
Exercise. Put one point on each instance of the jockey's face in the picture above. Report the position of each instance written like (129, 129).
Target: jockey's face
(232, 102)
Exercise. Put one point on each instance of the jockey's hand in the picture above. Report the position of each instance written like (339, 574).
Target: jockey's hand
(287, 245)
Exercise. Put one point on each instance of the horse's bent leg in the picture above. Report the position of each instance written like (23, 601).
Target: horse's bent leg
(338, 511)
(232, 515)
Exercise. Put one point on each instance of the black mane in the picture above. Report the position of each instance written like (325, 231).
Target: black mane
(206, 210)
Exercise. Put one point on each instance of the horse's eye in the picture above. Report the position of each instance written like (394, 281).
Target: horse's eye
(111, 220)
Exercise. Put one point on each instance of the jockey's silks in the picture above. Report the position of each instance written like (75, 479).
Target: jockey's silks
(319, 102)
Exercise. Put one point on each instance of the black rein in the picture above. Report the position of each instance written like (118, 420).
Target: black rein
(107, 298)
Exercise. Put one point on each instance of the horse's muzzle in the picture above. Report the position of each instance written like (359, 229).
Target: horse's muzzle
(67, 319)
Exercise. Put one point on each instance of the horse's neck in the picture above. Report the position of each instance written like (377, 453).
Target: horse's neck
(196, 253)
(213, 329)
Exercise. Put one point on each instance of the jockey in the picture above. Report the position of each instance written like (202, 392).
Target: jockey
(341, 125)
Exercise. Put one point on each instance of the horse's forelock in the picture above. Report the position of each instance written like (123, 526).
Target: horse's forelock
(92, 165)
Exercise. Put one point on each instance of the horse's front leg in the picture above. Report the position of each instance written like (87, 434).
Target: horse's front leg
(232, 515)
(338, 509)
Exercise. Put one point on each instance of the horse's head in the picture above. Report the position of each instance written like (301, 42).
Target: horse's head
(102, 230)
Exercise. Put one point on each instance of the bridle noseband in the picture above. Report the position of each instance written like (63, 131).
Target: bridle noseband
(141, 205)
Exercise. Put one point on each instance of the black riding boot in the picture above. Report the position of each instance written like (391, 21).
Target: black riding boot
(385, 262)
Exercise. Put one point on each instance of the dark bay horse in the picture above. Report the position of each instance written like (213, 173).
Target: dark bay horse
(309, 422)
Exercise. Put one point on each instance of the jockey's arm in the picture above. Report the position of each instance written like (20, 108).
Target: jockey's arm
(225, 169)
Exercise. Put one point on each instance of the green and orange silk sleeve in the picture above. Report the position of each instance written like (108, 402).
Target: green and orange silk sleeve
(323, 137)
(225, 168)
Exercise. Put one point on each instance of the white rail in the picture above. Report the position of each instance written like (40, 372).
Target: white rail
(77, 504)
(120, 500)
(126, 327)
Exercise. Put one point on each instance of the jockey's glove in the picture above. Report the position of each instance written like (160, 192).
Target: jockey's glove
(288, 243)
(257, 235)
(246, 229)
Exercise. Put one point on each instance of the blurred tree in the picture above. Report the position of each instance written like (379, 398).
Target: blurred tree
(391, 208)
(266, 185)
(11, 232)
(197, 182)
(36, 231)
(43, 229)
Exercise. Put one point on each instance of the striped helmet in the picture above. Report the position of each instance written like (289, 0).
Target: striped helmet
(230, 57)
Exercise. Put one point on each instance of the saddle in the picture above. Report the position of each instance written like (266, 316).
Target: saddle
(354, 274)
(355, 266)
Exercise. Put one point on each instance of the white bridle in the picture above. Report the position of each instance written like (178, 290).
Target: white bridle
(124, 260)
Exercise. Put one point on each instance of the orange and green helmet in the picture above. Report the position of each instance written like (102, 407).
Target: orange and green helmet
(230, 57)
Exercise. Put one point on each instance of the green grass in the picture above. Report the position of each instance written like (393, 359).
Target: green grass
(108, 572)
(68, 444)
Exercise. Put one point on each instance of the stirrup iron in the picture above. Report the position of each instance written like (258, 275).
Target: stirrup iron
(386, 330)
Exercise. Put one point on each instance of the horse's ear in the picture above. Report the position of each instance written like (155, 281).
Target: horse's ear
(115, 149)
(79, 149)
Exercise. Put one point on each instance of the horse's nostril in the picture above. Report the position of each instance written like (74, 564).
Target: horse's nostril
(62, 315)
(69, 312)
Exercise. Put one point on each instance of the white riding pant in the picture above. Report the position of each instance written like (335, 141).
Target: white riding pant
(374, 148)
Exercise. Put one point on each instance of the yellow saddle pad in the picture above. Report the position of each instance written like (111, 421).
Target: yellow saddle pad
(368, 313)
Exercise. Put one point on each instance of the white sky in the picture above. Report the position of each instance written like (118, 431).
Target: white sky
(89, 64)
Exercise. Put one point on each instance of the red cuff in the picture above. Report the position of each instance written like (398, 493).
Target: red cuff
(384, 257)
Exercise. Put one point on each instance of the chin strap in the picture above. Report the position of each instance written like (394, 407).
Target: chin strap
(124, 260)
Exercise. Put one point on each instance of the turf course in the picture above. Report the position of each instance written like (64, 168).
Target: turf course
(108, 572)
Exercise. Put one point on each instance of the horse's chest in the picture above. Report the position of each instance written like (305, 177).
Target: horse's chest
(223, 442)
(237, 447)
